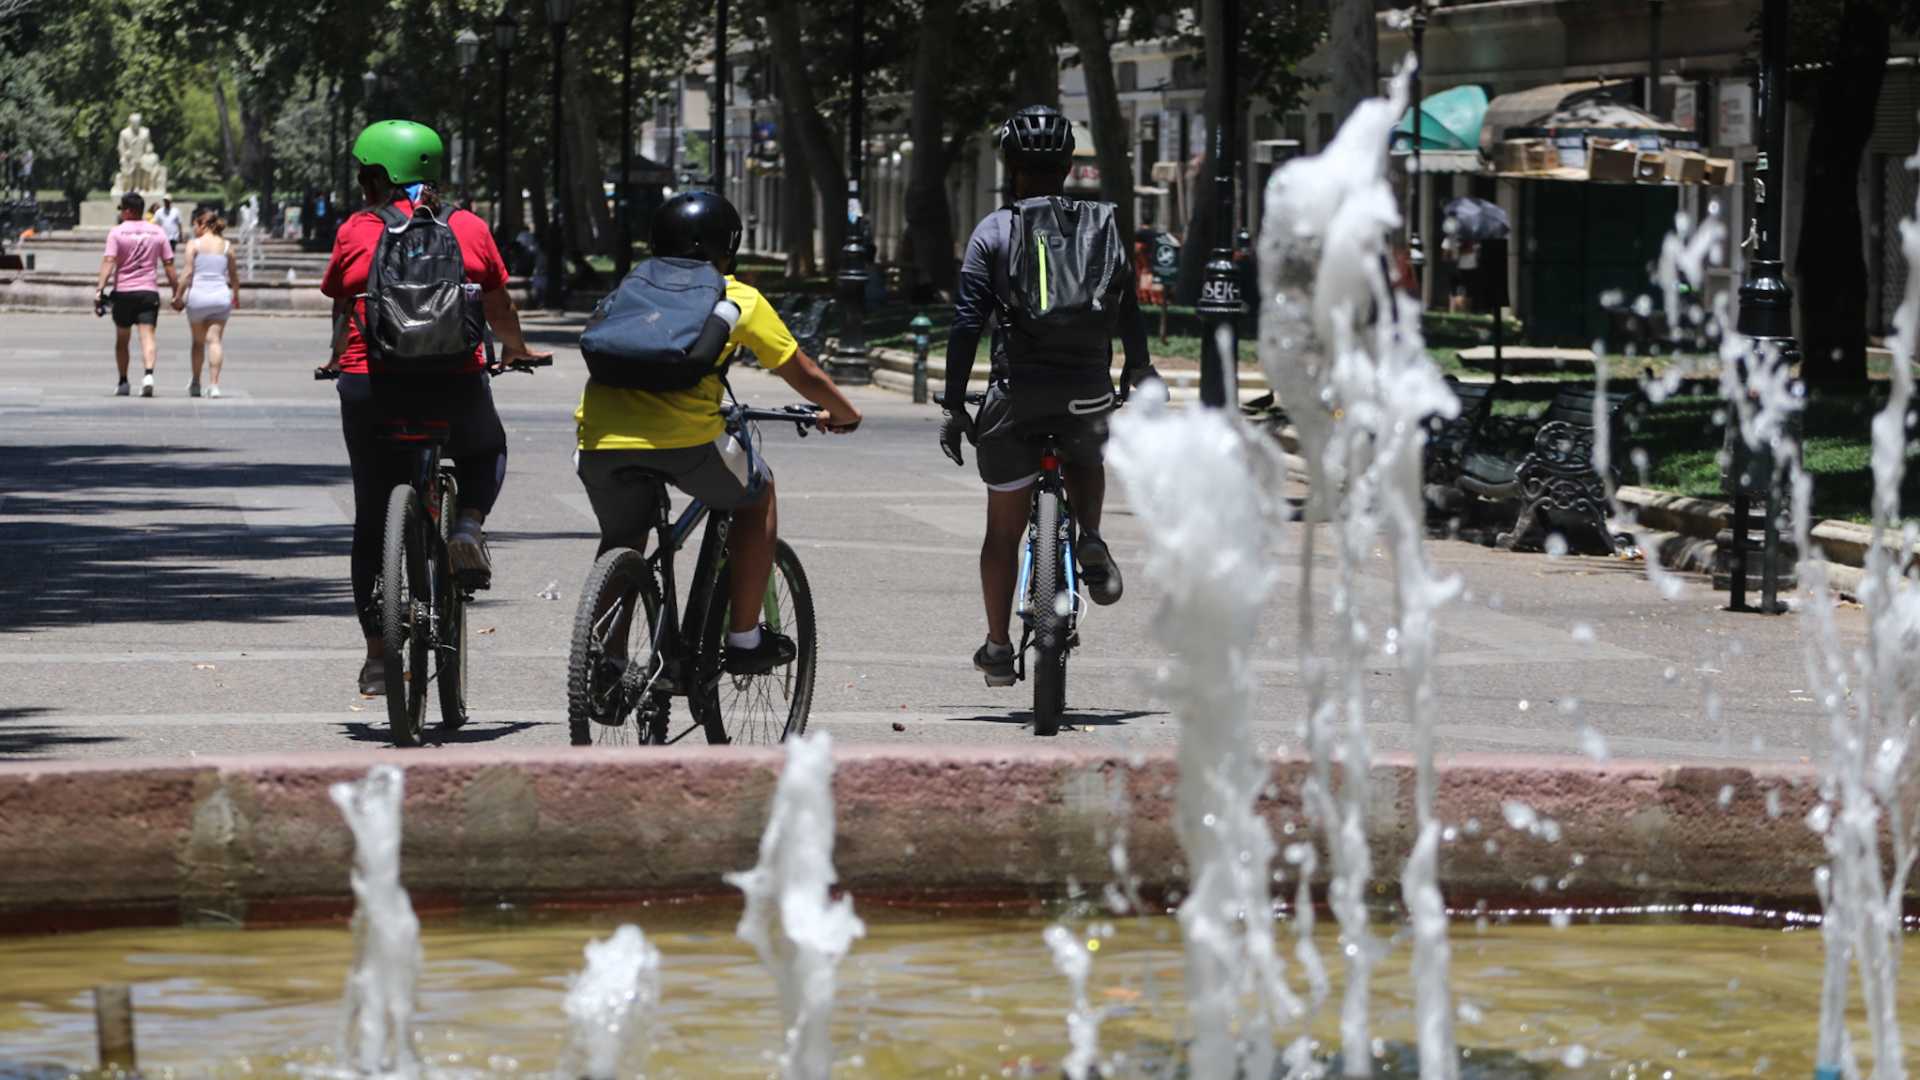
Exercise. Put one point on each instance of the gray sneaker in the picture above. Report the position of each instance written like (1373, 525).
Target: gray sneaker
(467, 550)
(193, 389)
(995, 663)
(1097, 569)
(123, 389)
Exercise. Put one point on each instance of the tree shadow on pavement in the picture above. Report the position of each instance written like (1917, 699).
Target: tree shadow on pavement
(39, 739)
(65, 570)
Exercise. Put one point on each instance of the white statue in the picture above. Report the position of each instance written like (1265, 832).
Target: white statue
(135, 141)
(151, 180)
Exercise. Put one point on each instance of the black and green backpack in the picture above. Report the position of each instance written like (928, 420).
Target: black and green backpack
(1067, 269)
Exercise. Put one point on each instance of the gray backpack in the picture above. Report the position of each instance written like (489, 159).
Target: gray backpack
(422, 314)
(1067, 270)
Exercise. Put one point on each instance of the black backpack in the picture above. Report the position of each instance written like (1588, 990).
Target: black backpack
(662, 329)
(422, 314)
(1066, 271)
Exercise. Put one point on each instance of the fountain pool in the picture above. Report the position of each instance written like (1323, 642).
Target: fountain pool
(927, 993)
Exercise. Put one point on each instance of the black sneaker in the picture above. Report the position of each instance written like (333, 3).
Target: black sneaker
(996, 665)
(774, 650)
(373, 677)
(1098, 570)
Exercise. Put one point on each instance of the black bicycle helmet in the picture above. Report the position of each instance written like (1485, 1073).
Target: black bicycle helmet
(696, 225)
(1037, 137)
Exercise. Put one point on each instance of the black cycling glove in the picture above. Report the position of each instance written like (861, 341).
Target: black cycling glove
(956, 425)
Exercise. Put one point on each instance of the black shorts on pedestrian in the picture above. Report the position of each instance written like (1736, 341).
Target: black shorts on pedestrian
(1011, 428)
(725, 474)
(136, 308)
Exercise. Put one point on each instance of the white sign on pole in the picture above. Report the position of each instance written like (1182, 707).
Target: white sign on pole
(1735, 127)
(1686, 106)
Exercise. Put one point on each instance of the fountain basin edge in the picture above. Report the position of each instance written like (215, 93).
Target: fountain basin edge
(256, 840)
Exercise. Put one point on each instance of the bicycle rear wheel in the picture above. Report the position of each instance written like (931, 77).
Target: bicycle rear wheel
(403, 620)
(1050, 617)
(450, 646)
(607, 640)
(759, 709)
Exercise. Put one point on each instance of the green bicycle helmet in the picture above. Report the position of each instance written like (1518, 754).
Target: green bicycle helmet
(411, 153)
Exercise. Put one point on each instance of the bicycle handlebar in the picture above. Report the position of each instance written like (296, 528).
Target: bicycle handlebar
(494, 367)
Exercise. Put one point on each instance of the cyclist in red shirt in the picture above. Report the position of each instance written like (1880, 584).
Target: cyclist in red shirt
(400, 164)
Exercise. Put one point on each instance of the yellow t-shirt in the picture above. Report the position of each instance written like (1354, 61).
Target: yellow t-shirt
(610, 418)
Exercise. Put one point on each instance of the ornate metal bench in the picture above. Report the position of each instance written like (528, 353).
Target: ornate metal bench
(1551, 477)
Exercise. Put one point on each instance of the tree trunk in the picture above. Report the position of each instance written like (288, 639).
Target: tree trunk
(256, 157)
(1830, 271)
(929, 218)
(1036, 81)
(1353, 47)
(591, 221)
(1110, 134)
(229, 161)
(817, 139)
(1201, 228)
(797, 199)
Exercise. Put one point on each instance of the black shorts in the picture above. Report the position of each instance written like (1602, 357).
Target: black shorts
(1009, 434)
(136, 308)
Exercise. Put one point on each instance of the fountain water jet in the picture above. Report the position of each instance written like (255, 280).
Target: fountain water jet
(1342, 348)
(607, 1005)
(1071, 958)
(378, 1037)
(792, 920)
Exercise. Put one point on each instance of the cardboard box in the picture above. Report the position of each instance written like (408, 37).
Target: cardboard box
(1609, 160)
(1651, 168)
(1719, 172)
(1686, 167)
(1512, 156)
(1542, 156)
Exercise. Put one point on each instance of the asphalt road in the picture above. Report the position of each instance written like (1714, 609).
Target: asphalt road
(175, 582)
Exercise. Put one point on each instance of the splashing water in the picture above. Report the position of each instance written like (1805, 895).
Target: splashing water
(1196, 481)
(791, 920)
(607, 1006)
(1867, 694)
(378, 1039)
(1071, 958)
(1342, 347)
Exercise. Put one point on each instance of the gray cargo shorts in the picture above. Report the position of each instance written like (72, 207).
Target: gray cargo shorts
(726, 474)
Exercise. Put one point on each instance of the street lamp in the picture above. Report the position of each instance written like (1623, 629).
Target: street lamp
(1416, 254)
(850, 363)
(466, 46)
(559, 12)
(1766, 300)
(1221, 304)
(623, 259)
(504, 32)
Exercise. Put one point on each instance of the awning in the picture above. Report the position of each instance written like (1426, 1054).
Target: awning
(1524, 108)
(1449, 120)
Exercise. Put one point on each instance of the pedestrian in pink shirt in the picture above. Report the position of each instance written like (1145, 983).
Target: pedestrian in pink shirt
(136, 251)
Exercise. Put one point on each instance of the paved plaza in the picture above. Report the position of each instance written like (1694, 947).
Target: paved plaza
(176, 583)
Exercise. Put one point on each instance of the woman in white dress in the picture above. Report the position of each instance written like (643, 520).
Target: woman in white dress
(209, 291)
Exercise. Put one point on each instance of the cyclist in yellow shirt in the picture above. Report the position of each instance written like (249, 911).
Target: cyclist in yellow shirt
(626, 436)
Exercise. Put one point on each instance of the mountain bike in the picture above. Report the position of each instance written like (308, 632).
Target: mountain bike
(423, 602)
(1047, 596)
(634, 650)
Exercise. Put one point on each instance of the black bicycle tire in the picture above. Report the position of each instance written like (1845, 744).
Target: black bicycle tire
(609, 572)
(396, 624)
(1049, 625)
(706, 698)
(450, 667)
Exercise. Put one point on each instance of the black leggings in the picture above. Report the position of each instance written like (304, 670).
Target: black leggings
(477, 444)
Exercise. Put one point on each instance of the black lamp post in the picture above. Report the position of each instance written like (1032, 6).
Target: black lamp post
(722, 77)
(1416, 253)
(559, 12)
(850, 363)
(1766, 301)
(504, 32)
(622, 193)
(1221, 304)
(1654, 9)
(466, 46)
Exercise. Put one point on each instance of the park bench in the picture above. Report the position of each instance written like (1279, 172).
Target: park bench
(1544, 466)
(807, 318)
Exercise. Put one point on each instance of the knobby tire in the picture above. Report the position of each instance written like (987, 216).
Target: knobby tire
(596, 706)
(770, 708)
(1049, 625)
(403, 574)
(450, 669)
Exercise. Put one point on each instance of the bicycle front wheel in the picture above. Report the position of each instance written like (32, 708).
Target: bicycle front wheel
(769, 708)
(1051, 607)
(613, 630)
(403, 622)
(450, 671)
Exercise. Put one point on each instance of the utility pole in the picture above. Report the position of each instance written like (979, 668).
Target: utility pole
(849, 363)
(1221, 304)
(1766, 302)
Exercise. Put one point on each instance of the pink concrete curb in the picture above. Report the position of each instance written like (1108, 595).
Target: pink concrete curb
(257, 839)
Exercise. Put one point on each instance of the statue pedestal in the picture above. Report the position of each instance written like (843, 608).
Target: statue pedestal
(99, 213)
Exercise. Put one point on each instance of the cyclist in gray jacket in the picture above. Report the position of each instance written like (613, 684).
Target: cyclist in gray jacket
(1025, 400)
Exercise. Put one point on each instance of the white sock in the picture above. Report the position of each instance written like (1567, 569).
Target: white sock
(999, 650)
(744, 639)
